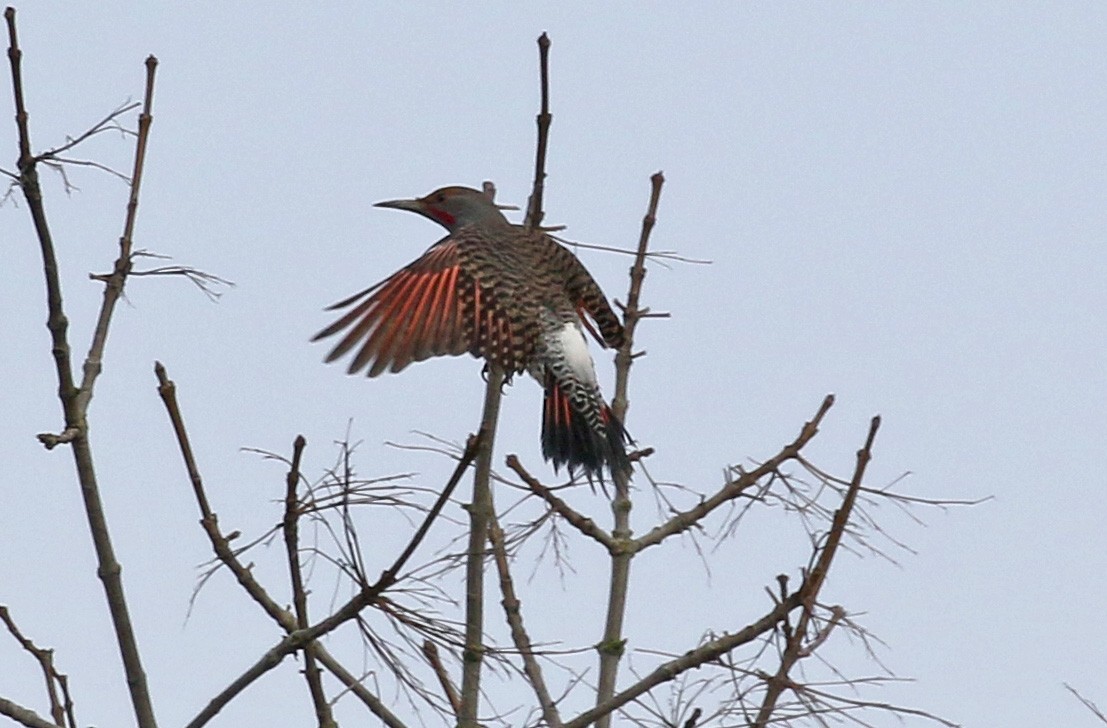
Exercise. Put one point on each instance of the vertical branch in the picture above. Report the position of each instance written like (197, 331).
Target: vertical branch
(612, 644)
(56, 321)
(481, 509)
(290, 526)
(480, 512)
(632, 314)
(534, 205)
(74, 402)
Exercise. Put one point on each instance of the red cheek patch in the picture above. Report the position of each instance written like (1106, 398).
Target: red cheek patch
(443, 217)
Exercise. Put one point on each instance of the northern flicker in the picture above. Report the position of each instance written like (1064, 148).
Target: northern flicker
(513, 297)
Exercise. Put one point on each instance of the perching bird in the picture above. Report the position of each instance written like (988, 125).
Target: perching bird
(513, 297)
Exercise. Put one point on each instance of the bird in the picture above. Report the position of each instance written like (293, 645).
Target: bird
(501, 292)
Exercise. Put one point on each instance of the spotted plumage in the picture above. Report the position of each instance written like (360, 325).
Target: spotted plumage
(513, 297)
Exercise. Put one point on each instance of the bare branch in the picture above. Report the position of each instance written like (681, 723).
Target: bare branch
(221, 546)
(74, 401)
(812, 584)
(114, 287)
(290, 526)
(481, 510)
(24, 716)
(61, 706)
(611, 645)
(513, 612)
(108, 123)
(734, 488)
(631, 311)
(689, 660)
(301, 638)
(582, 523)
(535, 212)
(1087, 703)
(430, 651)
(814, 581)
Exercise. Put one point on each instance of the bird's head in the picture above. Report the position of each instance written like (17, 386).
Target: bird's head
(453, 207)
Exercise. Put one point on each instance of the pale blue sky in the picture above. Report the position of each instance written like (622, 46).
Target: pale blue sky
(904, 205)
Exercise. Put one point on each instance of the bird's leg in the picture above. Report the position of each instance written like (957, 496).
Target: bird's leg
(508, 376)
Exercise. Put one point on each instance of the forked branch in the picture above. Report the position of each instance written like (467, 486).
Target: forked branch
(798, 646)
(289, 623)
(57, 684)
(74, 401)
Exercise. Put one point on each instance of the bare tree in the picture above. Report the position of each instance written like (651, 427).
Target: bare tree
(765, 669)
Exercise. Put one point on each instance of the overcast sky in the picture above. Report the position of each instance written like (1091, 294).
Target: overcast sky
(903, 204)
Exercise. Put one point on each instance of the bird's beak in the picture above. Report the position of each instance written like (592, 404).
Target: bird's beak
(409, 205)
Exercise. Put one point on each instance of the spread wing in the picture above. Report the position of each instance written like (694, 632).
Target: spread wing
(412, 315)
(432, 307)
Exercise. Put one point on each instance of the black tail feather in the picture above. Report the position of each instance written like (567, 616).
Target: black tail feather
(591, 441)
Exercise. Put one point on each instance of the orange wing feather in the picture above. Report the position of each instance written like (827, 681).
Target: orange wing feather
(410, 316)
(436, 306)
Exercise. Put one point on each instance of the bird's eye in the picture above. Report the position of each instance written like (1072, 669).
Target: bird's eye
(440, 198)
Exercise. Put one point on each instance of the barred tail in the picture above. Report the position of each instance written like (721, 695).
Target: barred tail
(579, 430)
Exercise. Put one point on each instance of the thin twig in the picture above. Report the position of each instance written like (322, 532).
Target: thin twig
(301, 638)
(651, 255)
(1087, 703)
(692, 659)
(58, 165)
(108, 123)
